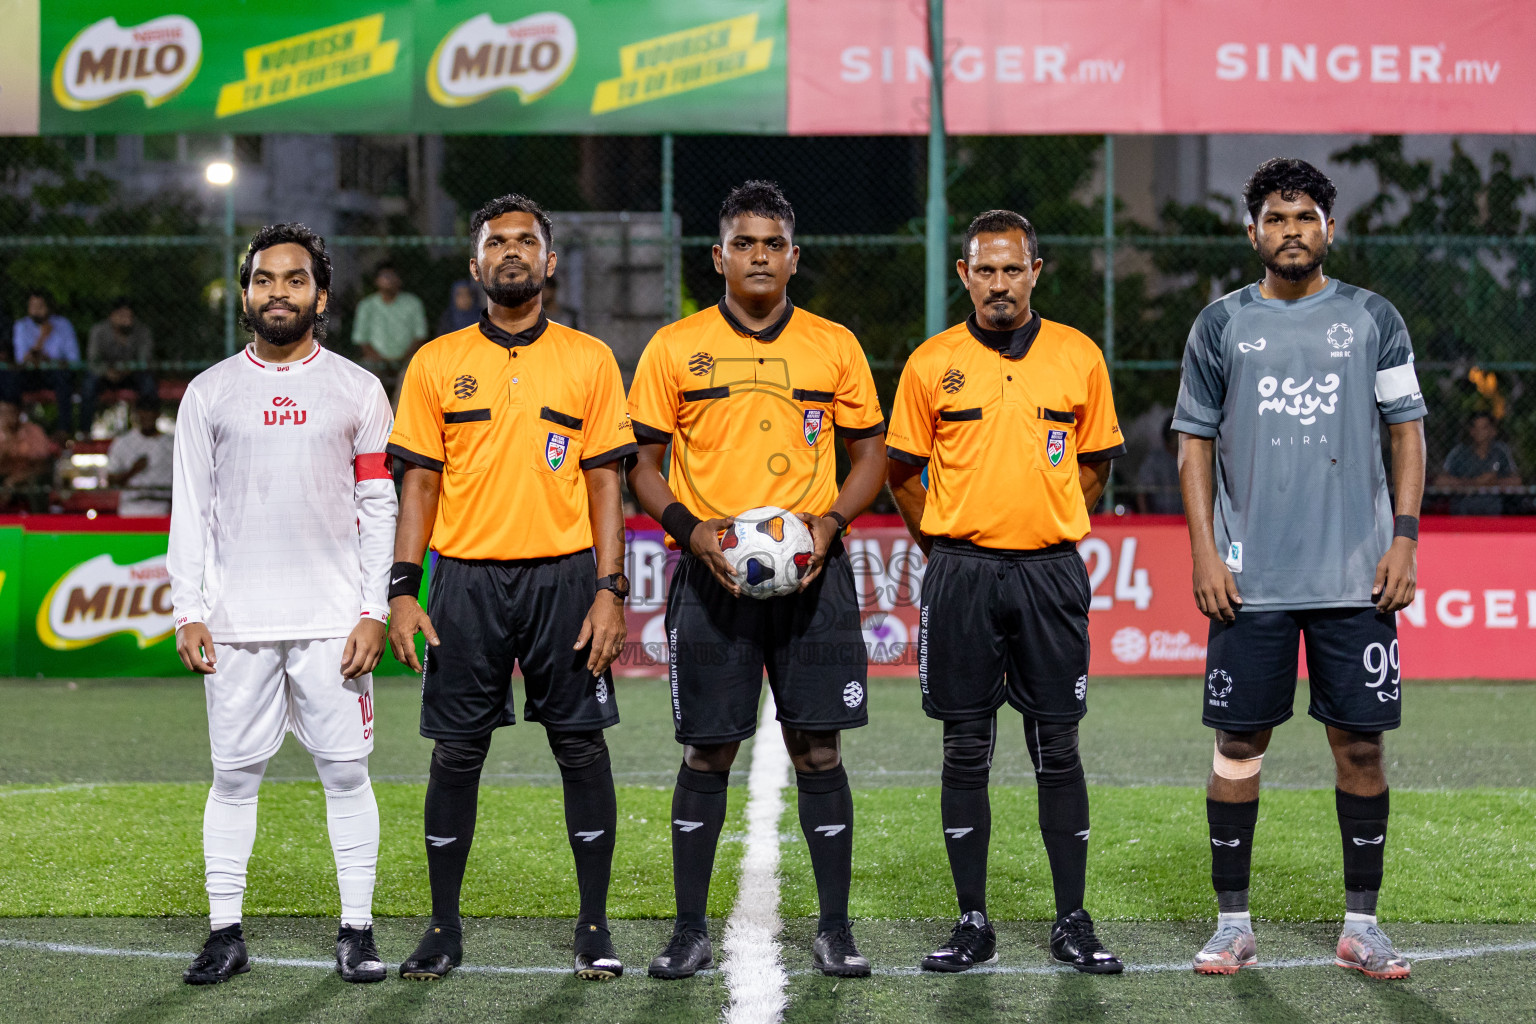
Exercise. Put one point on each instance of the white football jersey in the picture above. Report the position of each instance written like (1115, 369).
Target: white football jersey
(283, 509)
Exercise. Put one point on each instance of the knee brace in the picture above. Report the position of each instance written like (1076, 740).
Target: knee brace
(580, 755)
(1235, 768)
(1053, 752)
(458, 762)
(968, 748)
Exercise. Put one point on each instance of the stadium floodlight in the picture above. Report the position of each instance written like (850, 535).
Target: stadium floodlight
(220, 172)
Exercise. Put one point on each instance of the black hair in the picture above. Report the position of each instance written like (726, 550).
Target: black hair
(763, 198)
(383, 266)
(995, 222)
(292, 233)
(512, 202)
(121, 303)
(1483, 414)
(39, 293)
(1291, 178)
(148, 403)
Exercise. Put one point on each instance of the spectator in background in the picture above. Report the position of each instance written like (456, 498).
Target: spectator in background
(26, 460)
(110, 347)
(389, 325)
(1480, 461)
(552, 308)
(1157, 478)
(464, 305)
(42, 337)
(139, 464)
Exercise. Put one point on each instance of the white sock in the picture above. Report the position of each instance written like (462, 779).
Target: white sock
(229, 832)
(1358, 922)
(353, 818)
(1243, 920)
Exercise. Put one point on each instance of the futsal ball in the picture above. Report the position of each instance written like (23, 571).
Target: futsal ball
(769, 548)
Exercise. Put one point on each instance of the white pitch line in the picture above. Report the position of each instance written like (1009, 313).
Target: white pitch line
(1456, 953)
(753, 964)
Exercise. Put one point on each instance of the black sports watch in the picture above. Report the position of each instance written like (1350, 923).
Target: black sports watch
(618, 583)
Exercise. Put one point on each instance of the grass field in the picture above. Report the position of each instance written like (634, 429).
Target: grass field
(102, 785)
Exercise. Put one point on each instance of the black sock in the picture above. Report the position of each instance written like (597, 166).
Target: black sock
(452, 798)
(591, 818)
(1062, 792)
(826, 818)
(966, 812)
(698, 814)
(1363, 825)
(1064, 828)
(1231, 828)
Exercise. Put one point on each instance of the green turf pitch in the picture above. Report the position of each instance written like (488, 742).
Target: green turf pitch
(102, 787)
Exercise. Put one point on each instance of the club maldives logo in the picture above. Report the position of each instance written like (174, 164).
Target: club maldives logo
(99, 598)
(530, 56)
(106, 61)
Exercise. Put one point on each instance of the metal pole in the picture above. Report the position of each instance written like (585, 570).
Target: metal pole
(1109, 281)
(670, 292)
(230, 283)
(937, 241)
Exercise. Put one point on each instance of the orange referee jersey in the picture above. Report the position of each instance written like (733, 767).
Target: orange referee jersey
(510, 421)
(752, 415)
(1002, 437)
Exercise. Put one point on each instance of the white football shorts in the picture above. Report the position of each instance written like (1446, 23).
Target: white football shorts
(261, 691)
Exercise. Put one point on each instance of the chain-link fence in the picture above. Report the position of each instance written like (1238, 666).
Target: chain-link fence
(95, 221)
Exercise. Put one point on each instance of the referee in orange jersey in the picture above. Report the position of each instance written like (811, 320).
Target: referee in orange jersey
(1013, 418)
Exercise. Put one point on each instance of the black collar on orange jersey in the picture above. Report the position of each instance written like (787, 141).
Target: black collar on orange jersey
(769, 333)
(511, 341)
(1011, 344)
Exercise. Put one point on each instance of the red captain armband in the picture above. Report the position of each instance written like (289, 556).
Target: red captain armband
(373, 466)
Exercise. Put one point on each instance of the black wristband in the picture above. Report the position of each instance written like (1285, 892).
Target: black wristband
(1406, 526)
(404, 580)
(679, 523)
(842, 524)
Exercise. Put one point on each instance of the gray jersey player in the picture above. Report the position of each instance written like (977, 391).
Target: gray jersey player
(1291, 525)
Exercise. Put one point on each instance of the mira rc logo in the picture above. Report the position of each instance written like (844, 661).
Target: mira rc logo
(106, 61)
(99, 598)
(530, 56)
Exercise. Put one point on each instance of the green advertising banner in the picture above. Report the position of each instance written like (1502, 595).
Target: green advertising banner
(93, 604)
(10, 591)
(482, 66)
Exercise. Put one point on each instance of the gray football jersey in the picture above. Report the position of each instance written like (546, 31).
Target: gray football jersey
(1294, 393)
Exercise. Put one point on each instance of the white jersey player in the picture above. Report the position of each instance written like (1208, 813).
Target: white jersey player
(282, 532)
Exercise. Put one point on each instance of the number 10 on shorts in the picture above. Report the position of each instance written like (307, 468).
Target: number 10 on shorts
(365, 705)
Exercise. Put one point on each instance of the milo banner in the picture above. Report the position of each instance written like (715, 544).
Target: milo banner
(595, 66)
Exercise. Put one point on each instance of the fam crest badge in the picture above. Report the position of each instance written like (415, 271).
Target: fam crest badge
(555, 448)
(1055, 446)
(812, 425)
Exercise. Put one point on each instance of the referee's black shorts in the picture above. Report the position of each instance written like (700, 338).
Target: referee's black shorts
(492, 615)
(1004, 626)
(811, 644)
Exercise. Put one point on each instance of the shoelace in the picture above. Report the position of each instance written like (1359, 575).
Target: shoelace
(1377, 942)
(679, 943)
(1225, 936)
(841, 942)
(964, 939)
(1087, 941)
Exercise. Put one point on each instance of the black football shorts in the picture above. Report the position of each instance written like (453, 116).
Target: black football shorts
(810, 643)
(493, 615)
(1352, 661)
(1004, 626)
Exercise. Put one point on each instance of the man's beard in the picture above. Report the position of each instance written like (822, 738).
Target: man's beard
(511, 294)
(1294, 271)
(286, 332)
(998, 318)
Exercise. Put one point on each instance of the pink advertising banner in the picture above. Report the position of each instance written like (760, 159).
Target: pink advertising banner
(1474, 616)
(1064, 66)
